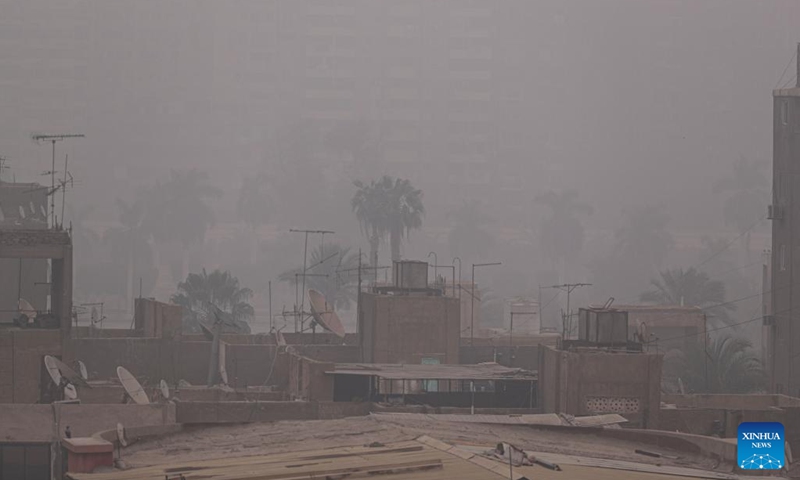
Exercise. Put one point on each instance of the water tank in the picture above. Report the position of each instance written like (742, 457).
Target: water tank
(603, 326)
(410, 274)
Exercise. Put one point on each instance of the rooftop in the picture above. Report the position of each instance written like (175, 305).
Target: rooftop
(481, 371)
(401, 447)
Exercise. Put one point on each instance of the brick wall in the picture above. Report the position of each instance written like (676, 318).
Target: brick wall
(574, 383)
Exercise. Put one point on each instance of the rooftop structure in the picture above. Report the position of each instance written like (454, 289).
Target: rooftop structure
(483, 371)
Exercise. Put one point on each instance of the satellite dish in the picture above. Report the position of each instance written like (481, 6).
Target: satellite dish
(82, 368)
(21, 212)
(279, 340)
(26, 309)
(54, 364)
(132, 387)
(324, 315)
(33, 209)
(94, 314)
(680, 386)
(70, 393)
(642, 330)
(41, 209)
(164, 389)
(121, 435)
(52, 369)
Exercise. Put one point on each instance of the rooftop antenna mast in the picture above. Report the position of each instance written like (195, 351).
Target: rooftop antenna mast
(3, 166)
(305, 268)
(53, 139)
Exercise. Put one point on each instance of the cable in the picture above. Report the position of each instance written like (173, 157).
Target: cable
(785, 69)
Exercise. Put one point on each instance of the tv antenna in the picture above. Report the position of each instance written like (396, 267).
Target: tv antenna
(3, 166)
(301, 307)
(53, 139)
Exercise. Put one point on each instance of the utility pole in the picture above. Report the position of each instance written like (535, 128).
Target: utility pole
(472, 302)
(53, 139)
(567, 318)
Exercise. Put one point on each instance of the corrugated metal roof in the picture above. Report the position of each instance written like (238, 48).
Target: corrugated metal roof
(481, 371)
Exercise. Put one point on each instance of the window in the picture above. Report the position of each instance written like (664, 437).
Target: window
(782, 258)
(785, 112)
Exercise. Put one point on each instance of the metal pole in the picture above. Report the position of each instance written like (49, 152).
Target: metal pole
(459, 276)
(53, 187)
(271, 321)
(435, 266)
(303, 292)
(472, 310)
(511, 342)
(64, 190)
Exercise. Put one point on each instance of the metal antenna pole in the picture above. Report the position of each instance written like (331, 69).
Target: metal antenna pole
(3, 166)
(472, 301)
(53, 139)
(566, 321)
(305, 259)
(64, 189)
(271, 322)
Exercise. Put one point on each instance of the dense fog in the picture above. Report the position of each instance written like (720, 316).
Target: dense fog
(610, 143)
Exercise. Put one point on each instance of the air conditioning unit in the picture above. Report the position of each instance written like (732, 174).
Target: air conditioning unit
(774, 212)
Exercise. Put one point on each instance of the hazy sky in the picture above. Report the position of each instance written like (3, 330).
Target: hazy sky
(629, 101)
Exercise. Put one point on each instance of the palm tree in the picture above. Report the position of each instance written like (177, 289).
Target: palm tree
(220, 289)
(725, 365)
(690, 287)
(387, 206)
(562, 233)
(341, 268)
(748, 196)
(644, 239)
(469, 237)
(177, 210)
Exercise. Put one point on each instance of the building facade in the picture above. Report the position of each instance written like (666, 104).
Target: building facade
(785, 215)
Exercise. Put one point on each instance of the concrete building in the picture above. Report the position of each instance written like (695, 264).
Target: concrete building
(22, 206)
(409, 322)
(785, 215)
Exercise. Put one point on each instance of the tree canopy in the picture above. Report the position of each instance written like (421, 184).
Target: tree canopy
(219, 288)
(341, 267)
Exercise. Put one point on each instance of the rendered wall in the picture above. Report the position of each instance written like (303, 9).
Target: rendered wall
(576, 383)
(21, 362)
(408, 328)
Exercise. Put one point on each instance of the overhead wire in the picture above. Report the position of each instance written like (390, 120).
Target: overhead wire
(785, 69)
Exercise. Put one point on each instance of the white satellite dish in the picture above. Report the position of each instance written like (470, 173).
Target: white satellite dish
(642, 330)
(132, 387)
(41, 209)
(52, 369)
(33, 209)
(21, 212)
(121, 435)
(27, 309)
(164, 389)
(70, 393)
(82, 368)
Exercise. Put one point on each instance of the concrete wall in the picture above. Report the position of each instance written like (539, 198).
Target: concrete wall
(731, 401)
(46, 423)
(157, 319)
(22, 364)
(408, 328)
(575, 382)
(153, 359)
(307, 379)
